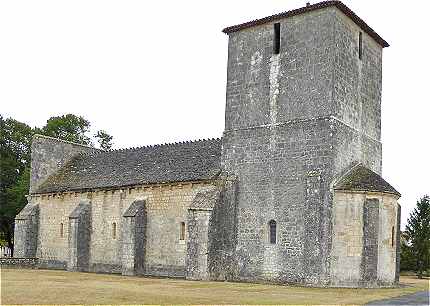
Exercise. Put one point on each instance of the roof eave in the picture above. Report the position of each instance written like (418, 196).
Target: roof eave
(368, 190)
(342, 7)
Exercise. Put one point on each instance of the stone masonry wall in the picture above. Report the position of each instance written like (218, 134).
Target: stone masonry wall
(357, 96)
(166, 207)
(347, 239)
(222, 233)
(363, 252)
(302, 71)
(357, 82)
(389, 227)
(48, 155)
(294, 122)
(26, 231)
(79, 234)
(369, 256)
(134, 239)
(198, 244)
(283, 175)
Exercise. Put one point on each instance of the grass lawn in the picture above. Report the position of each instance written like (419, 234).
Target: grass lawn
(60, 287)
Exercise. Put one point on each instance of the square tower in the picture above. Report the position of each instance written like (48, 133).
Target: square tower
(303, 105)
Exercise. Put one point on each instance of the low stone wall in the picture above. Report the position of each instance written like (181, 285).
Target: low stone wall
(19, 263)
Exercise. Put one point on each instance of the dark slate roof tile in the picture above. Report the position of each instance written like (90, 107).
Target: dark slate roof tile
(362, 179)
(187, 161)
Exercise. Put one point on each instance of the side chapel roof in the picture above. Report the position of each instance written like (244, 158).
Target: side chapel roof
(360, 178)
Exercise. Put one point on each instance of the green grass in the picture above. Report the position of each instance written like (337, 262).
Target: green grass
(19, 286)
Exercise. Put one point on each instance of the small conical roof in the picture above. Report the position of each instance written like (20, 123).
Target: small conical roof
(360, 178)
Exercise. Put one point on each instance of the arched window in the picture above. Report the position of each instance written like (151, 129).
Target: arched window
(272, 231)
(114, 230)
(61, 230)
(182, 231)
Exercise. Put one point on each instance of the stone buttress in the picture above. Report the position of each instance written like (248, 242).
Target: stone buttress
(133, 243)
(79, 238)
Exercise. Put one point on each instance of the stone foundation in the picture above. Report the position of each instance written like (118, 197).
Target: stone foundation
(18, 263)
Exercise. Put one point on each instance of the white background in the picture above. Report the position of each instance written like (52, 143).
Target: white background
(152, 72)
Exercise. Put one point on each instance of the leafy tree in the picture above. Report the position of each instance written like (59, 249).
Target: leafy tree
(104, 140)
(407, 259)
(15, 143)
(418, 233)
(15, 147)
(75, 129)
(68, 127)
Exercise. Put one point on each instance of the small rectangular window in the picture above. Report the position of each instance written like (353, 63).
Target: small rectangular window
(360, 45)
(61, 230)
(182, 231)
(114, 230)
(272, 231)
(276, 38)
(392, 236)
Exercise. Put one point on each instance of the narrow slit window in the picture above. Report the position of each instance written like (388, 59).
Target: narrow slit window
(360, 45)
(61, 230)
(392, 236)
(272, 232)
(114, 230)
(276, 38)
(182, 231)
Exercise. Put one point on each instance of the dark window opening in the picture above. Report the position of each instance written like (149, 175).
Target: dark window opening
(182, 231)
(360, 45)
(61, 230)
(276, 38)
(114, 230)
(272, 231)
(392, 236)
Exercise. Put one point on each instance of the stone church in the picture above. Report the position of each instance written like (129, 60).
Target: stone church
(291, 193)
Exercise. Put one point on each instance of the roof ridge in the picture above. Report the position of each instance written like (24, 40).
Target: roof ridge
(66, 141)
(151, 146)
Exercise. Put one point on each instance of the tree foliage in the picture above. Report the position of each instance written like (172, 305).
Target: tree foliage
(104, 140)
(407, 259)
(15, 142)
(15, 150)
(68, 127)
(418, 236)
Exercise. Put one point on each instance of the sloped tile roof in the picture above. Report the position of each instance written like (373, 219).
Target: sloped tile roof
(205, 200)
(134, 208)
(362, 179)
(342, 7)
(179, 162)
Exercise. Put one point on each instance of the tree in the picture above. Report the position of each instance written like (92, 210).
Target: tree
(75, 129)
(418, 234)
(407, 259)
(15, 147)
(15, 142)
(68, 127)
(104, 140)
